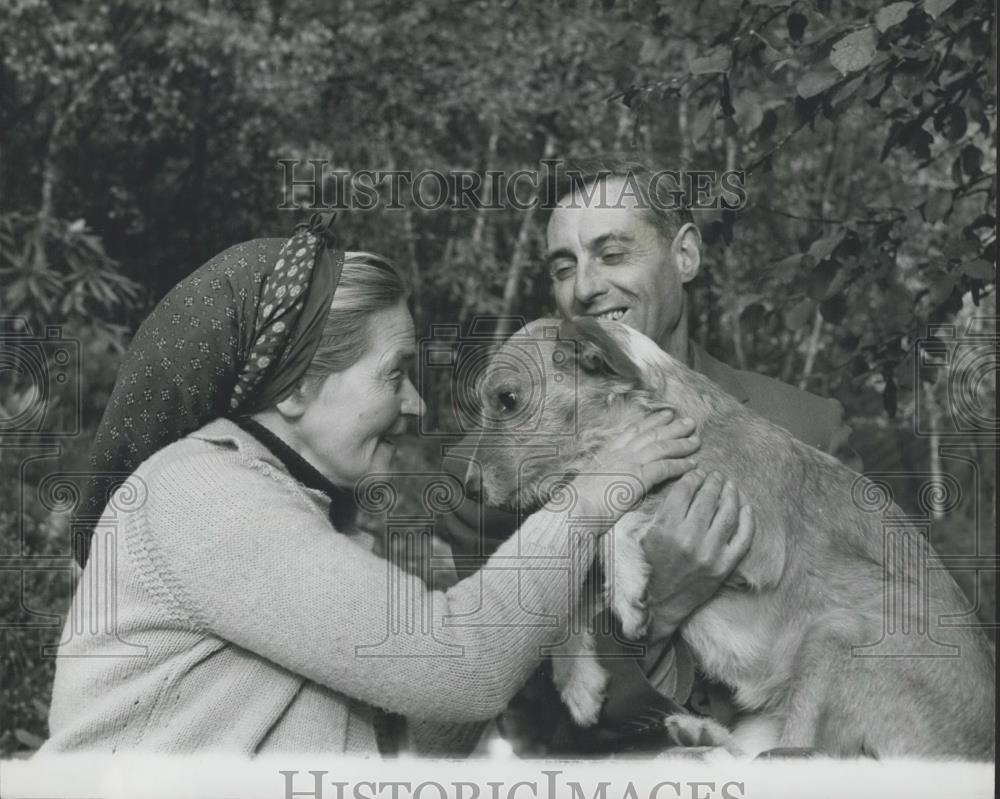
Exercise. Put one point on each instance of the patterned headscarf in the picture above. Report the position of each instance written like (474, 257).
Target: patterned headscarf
(232, 338)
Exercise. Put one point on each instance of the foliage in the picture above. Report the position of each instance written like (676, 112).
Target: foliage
(138, 138)
(875, 254)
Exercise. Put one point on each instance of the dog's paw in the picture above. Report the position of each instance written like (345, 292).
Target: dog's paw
(688, 730)
(583, 693)
(584, 706)
(634, 618)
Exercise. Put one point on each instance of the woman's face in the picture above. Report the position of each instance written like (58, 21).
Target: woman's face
(348, 427)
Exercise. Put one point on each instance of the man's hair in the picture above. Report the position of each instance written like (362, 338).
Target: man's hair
(660, 193)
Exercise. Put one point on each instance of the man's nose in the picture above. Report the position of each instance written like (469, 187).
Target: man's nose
(587, 285)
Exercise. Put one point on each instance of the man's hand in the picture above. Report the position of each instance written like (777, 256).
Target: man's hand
(650, 452)
(700, 534)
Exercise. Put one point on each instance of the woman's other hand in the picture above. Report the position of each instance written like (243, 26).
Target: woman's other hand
(700, 534)
(650, 452)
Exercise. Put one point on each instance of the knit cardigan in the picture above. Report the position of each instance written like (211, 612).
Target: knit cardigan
(220, 610)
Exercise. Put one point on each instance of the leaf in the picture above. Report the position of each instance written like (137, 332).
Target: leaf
(787, 269)
(748, 111)
(813, 83)
(834, 309)
(821, 279)
(702, 122)
(768, 124)
(952, 122)
(28, 739)
(891, 15)
(980, 269)
(847, 91)
(799, 314)
(937, 205)
(918, 141)
(797, 24)
(855, 51)
(979, 42)
(937, 7)
(650, 51)
(717, 59)
(889, 396)
(941, 283)
(821, 249)
(957, 174)
(753, 315)
(972, 160)
(981, 221)
(725, 98)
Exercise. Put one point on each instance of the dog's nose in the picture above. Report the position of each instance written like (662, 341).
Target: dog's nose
(473, 489)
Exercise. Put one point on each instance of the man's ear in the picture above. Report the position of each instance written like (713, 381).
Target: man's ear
(685, 251)
(597, 351)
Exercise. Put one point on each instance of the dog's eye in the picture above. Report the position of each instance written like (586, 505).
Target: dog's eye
(508, 400)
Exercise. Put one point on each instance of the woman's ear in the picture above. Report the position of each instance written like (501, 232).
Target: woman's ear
(685, 251)
(294, 405)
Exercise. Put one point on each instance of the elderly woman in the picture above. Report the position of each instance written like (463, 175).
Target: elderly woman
(254, 398)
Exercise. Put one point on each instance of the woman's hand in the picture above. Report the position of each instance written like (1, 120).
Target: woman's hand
(700, 534)
(651, 451)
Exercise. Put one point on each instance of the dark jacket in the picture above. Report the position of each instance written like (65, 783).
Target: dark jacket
(536, 719)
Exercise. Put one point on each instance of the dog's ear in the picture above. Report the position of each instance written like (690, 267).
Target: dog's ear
(598, 352)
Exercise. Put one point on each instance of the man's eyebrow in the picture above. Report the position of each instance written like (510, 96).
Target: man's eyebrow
(561, 252)
(614, 235)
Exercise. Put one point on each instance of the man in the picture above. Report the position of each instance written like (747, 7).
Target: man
(615, 249)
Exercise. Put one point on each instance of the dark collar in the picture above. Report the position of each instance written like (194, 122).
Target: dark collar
(342, 506)
(720, 374)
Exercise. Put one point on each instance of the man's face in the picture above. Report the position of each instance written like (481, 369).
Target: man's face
(609, 259)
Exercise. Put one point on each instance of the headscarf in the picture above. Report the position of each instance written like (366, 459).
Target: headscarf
(231, 339)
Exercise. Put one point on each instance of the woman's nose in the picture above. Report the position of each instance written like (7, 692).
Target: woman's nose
(413, 403)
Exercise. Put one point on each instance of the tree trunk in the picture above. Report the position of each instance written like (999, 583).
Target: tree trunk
(934, 440)
(416, 281)
(682, 132)
(812, 348)
(519, 255)
(623, 135)
(831, 207)
(791, 348)
(473, 278)
(409, 232)
(50, 177)
(732, 267)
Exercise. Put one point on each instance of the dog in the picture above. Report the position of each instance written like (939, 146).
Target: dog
(789, 633)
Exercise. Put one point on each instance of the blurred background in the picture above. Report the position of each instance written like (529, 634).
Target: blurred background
(139, 138)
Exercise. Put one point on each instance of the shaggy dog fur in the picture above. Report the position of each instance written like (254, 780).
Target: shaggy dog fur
(789, 635)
